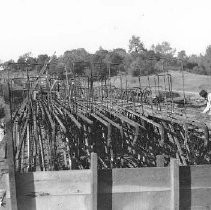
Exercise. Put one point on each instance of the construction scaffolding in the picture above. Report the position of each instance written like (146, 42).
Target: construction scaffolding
(57, 124)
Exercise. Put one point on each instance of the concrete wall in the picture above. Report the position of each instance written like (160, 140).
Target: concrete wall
(54, 190)
(142, 188)
(195, 187)
(188, 188)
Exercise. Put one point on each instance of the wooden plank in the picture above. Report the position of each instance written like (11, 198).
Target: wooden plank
(195, 176)
(94, 180)
(195, 187)
(53, 183)
(54, 190)
(105, 185)
(135, 179)
(134, 188)
(195, 199)
(10, 158)
(174, 174)
(140, 201)
(62, 202)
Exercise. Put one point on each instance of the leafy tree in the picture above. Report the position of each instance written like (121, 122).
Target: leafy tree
(79, 54)
(182, 55)
(142, 66)
(135, 45)
(52, 67)
(120, 51)
(76, 56)
(142, 61)
(26, 61)
(41, 60)
(100, 55)
(9, 65)
(100, 63)
(124, 59)
(206, 61)
(137, 61)
(109, 61)
(164, 49)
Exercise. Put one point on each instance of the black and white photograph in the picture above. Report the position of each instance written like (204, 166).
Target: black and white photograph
(105, 105)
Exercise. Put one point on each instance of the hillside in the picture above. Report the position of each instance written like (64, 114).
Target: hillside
(193, 83)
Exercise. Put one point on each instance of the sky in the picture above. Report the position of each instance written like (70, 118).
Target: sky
(46, 26)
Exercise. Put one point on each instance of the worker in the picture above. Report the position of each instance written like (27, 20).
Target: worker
(207, 97)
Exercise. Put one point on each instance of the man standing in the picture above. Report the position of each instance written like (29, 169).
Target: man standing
(207, 97)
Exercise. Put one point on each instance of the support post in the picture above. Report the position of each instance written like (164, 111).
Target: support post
(17, 136)
(10, 158)
(94, 181)
(174, 174)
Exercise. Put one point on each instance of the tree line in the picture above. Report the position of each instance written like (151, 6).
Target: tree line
(138, 60)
